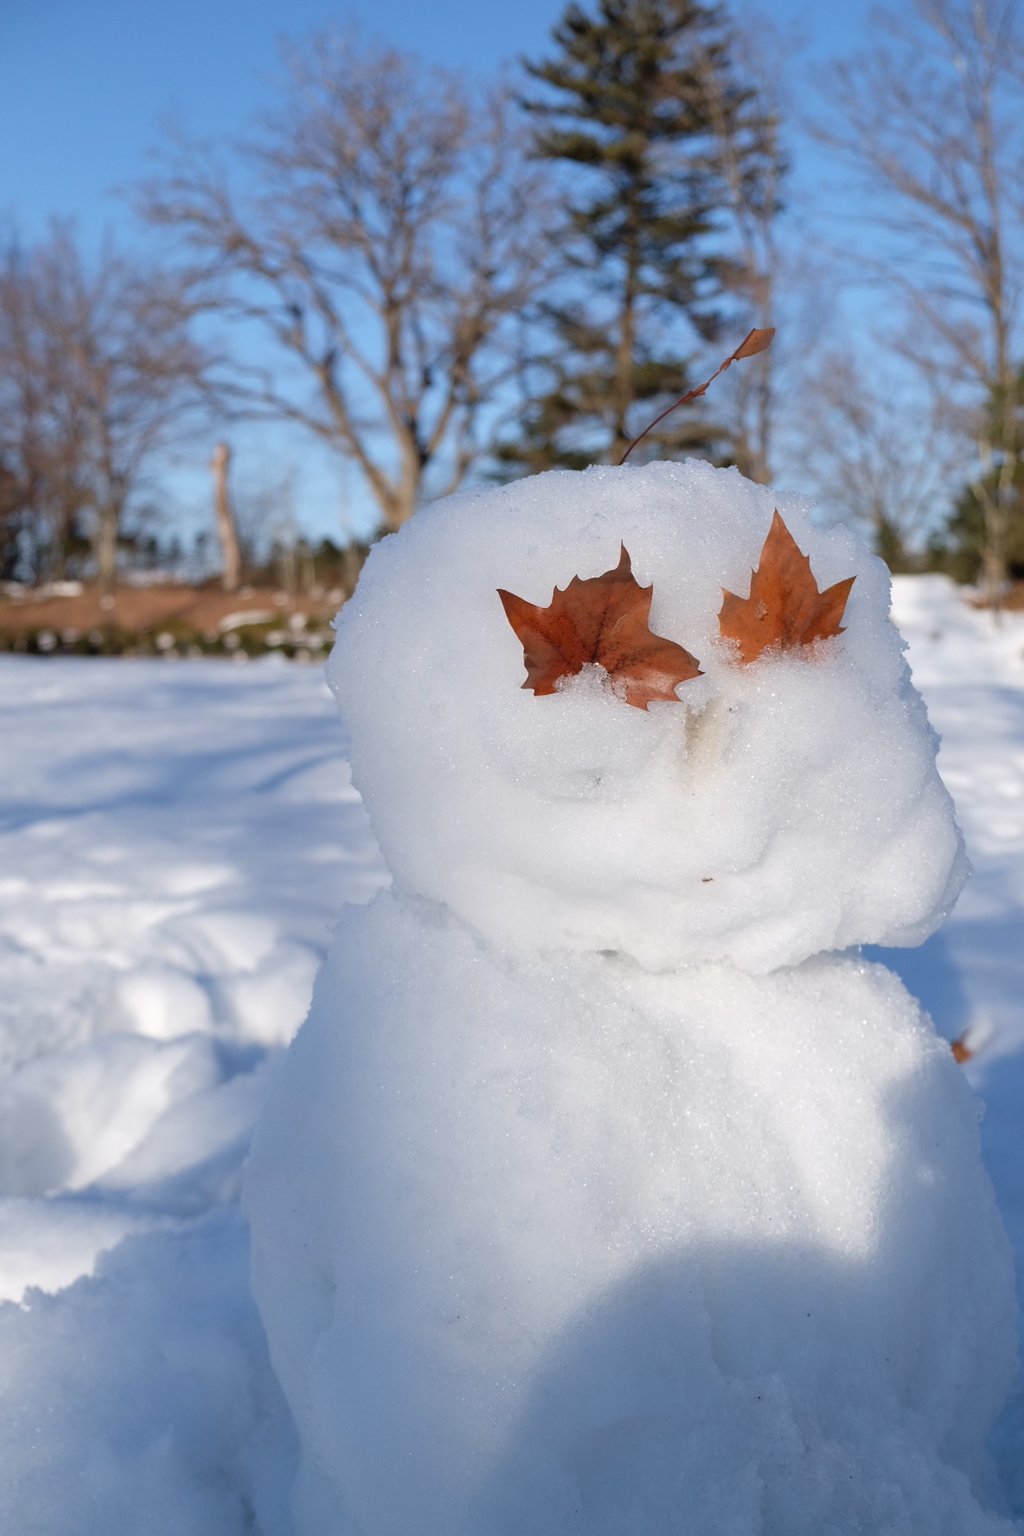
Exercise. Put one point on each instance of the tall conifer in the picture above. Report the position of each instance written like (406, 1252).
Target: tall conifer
(637, 93)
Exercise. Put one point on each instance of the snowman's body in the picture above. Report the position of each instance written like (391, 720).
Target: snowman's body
(598, 1195)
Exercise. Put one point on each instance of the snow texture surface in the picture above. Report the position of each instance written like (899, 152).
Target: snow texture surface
(135, 1391)
(579, 1247)
(175, 841)
(779, 810)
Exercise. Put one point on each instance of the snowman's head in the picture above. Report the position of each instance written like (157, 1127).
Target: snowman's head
(778, 809)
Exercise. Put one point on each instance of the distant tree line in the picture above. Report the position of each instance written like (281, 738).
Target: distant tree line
(930, 122)
(440, 282)
(98, 368)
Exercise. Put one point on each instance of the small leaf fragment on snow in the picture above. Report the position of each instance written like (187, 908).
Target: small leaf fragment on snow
(602, 619)
(785, 607)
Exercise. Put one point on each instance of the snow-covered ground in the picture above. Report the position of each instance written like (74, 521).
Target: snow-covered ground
(176, 839)
(970, 975)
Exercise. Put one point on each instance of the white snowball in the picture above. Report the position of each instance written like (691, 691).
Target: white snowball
(779, 810)
(552, 1244)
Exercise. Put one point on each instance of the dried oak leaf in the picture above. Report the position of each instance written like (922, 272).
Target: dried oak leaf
(601, 619)
(785, 608)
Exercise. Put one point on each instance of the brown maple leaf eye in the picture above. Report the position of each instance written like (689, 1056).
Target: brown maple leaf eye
(601, 619)
(785, 607)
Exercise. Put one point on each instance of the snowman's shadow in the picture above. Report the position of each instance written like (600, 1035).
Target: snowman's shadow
(738, 1389)
(653, 1411)
(780, 1385)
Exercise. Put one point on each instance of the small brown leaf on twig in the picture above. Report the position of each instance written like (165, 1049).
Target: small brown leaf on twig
(754, 342)
(785, 607)
(751, 345)
(961, 1050)
(602, 619)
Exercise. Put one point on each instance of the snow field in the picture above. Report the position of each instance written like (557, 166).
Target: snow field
(176, 842)
(135, 1392)
(970, 975)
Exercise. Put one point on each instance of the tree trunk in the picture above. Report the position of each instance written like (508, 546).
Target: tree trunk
(993, 555)
(227, 532)
(625, 352)
(108, 520)
(399, 501)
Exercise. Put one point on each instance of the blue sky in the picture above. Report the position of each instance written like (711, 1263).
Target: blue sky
(86, 84)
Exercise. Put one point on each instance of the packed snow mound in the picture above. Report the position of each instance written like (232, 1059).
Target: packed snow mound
(141, 1399)
(551, 1244)
(780, 809)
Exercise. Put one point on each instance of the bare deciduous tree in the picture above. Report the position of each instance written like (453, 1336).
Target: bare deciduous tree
(96, 368)
(389, 234)
(855, 450)
(751, 166)
(43, 428)
(932, 120)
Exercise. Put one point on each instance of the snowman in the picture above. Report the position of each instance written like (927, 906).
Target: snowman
(607, 1189)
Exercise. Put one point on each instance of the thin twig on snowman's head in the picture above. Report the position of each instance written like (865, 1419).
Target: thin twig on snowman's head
(754, 342)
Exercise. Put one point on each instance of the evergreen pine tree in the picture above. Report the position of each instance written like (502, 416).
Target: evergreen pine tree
(636, 95)
(992, 504)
